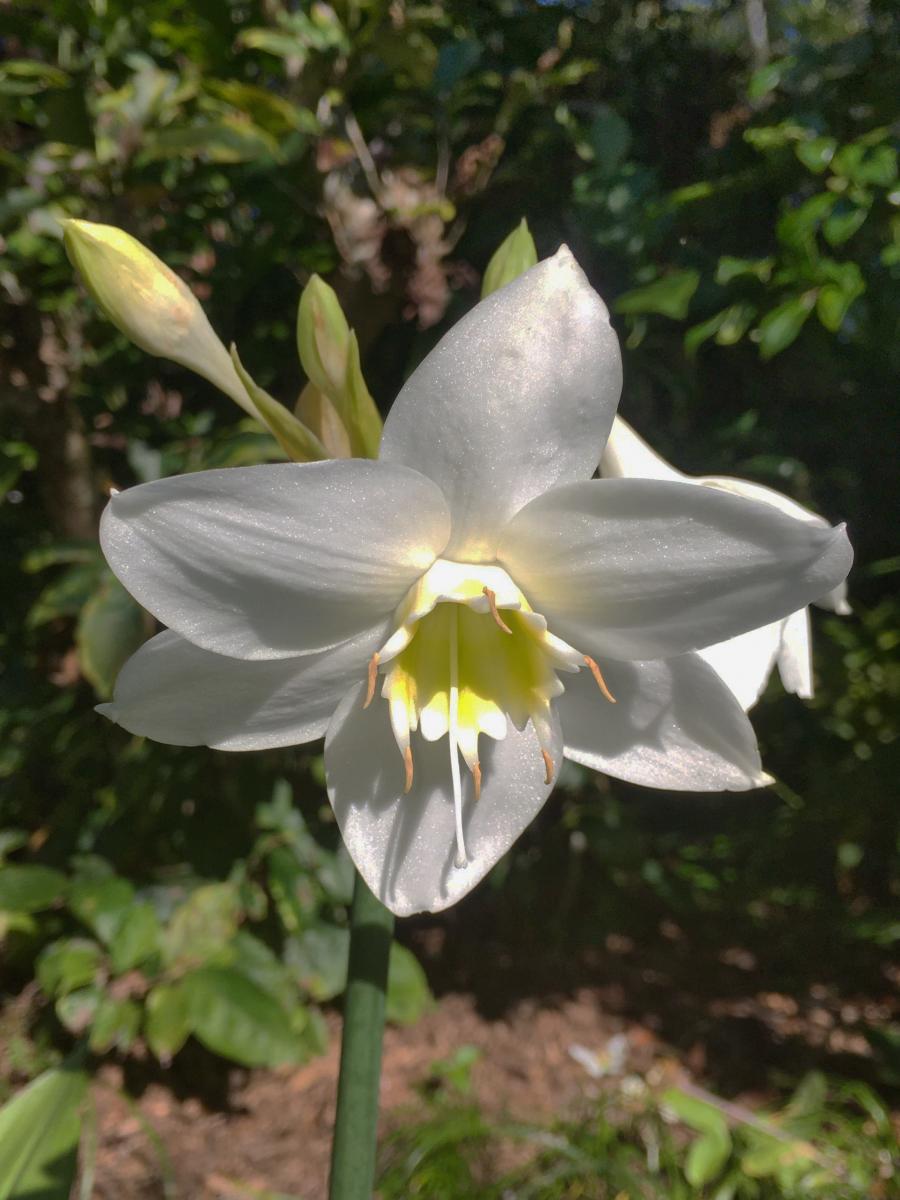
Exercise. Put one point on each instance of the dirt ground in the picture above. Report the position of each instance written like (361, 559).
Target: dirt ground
(269, 1131)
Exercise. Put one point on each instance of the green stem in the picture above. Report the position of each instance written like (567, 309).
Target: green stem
(355, 1126)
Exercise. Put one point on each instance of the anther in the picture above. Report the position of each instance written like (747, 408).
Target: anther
(372, 680)
(492, 603)
(408, 764)
(548, 767)
(476, 779)
(598, 679)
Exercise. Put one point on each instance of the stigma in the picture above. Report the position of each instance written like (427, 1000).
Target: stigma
(468, 655)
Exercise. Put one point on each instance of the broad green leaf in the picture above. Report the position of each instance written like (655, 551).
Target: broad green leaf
(116, 1024)
(797, 226)
(262, 965)
(707, 1157)
(515, 254)
(318, 960)
(29, 888)
(111, 627)
(842, 224)
(781, 325)
(136, 939)
(736, 323)
(298, 442)
(39, 1132)
(76, 1010)
(408, 994)
(670, 296)
(68, 964)
(202, 927)
(167, 1024)
(816, 153)
(730, 268)
(67, 595)
(234, 1017)
(267, 109)
(42, 557)
(227, 140)
(696, 1113)
(102, 904)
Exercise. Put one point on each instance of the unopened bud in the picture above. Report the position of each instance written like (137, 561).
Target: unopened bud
(148, 302)
(323, 337)
(515, 255)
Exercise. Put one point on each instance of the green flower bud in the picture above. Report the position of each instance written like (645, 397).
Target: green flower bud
(515, 254)
(148, 302)
(323, 337)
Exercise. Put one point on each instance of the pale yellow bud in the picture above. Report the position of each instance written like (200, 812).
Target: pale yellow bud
(148, 302)
(323, 337)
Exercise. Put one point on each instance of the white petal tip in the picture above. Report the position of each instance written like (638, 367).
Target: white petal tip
(763, 780)
(107, 710)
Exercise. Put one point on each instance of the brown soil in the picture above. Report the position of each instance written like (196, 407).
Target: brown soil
(269, 1131)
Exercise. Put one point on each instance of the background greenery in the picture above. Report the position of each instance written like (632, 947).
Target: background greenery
(726, 174)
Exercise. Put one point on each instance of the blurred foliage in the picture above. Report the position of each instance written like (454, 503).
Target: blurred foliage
(830, 1140)
(732, 192)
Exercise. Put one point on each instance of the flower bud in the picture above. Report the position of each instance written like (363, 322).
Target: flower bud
(515, 254)
(323, 337)
(148, 302)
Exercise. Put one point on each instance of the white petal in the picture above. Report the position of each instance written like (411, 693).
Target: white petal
(404, 845)
(674, 725)
(836, 601)
(517, 397)
(745, 662)
(627, 456)
(174, 692)
(639, 568)
(271, 562)
(795, 655)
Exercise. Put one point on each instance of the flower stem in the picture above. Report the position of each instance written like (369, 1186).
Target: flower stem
(353, 1148)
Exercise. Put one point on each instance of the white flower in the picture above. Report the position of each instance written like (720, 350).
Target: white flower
(746, 661)
(472, 595)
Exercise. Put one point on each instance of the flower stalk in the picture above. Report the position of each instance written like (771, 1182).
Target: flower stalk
(356, 1120)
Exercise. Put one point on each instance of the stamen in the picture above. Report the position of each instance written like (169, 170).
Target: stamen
(408, 764)
(462, 857)
(599, 680)
(372, 680)
(492, 603)
(476, 779)
(548, 767)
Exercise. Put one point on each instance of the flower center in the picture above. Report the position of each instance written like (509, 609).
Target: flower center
(469, 654)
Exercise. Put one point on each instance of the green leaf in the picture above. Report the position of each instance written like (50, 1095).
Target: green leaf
(298, 442)
(76, 1010)
(203, 926)
(610, 139)
(695, 1113)
(816, 153)
(730, 268)
(842, 224)
(68, 964)
(797, 226)
(781, 325)
(671, 296)
(227, 140)
(39, 1132)
(408, 994)
(67, 595)
(102, 904)
(29, 888)
(167, 1023)
(234, 1017)
(111, 627)
(318, 960)
(767, 78)
(706, 1158)
(116, 1024)
(515, 254)
(136, 939)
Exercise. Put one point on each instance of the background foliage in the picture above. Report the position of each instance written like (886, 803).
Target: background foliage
(727, 176)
